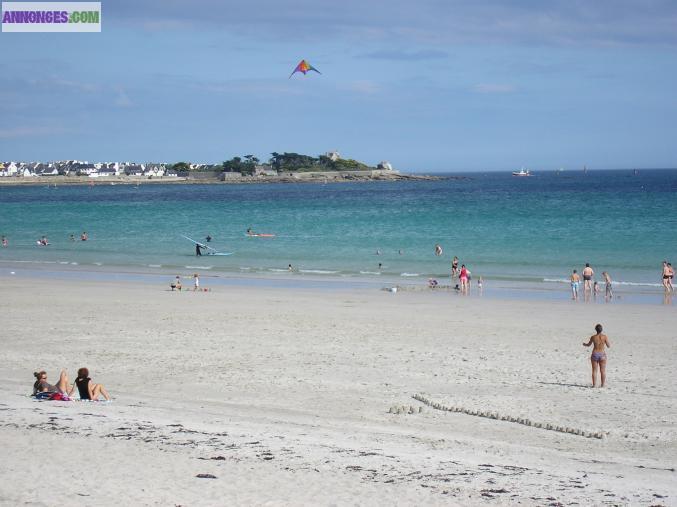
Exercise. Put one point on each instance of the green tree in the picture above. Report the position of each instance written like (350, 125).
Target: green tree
(181, 166)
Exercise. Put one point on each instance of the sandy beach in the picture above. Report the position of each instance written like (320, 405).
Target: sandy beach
(306, 397)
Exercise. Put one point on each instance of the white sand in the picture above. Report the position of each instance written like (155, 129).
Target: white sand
(290, 390)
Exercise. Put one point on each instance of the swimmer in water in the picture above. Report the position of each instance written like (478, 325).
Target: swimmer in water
(607, 288)
(438, 250)
(454, 267)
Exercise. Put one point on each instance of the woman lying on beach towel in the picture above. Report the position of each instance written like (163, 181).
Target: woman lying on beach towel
(44, 390)
(88, 389)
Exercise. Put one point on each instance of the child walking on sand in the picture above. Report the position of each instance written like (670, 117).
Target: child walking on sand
(598, 357)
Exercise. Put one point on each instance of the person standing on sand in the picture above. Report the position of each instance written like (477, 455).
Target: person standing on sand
(607, 289)
(588, 273)
(575, 282)
(598, 357)
(196, 282)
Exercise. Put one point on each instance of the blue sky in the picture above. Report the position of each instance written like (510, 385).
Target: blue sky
(431, 85)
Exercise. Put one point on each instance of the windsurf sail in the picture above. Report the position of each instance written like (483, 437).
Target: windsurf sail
(202, 245)
(212, 251)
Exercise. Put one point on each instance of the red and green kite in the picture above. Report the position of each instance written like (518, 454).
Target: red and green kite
(304, 67)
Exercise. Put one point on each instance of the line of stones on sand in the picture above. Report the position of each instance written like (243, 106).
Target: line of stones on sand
(493, 415)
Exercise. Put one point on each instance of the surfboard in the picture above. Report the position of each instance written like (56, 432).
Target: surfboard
(256, 235)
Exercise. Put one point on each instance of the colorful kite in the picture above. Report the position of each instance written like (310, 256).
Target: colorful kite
(304, 67)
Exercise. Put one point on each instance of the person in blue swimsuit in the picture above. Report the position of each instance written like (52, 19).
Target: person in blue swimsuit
(598, 356)
(575, 282)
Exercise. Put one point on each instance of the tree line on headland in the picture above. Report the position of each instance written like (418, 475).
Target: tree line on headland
(283, 162)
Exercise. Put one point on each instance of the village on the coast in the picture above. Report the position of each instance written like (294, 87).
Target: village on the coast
(280, 167)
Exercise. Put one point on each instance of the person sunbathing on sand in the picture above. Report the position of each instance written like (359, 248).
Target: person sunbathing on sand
(42, 386)
(88, 390)
(598, 357)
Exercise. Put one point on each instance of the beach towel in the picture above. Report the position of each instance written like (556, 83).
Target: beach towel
(52, 397)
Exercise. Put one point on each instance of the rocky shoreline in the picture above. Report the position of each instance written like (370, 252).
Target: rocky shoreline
(297, 178)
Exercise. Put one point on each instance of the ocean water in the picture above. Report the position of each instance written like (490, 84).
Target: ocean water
(503, 228)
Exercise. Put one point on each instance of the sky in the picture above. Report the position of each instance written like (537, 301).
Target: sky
(431, 85)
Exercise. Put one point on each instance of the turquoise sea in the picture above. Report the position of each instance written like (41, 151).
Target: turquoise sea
(508, 230)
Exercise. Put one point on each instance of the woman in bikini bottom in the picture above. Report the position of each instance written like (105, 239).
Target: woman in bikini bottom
(598, 357)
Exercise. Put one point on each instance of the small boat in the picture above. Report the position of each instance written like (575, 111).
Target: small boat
(522, 172)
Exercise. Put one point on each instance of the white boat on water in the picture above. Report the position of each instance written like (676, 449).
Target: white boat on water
(522, 172)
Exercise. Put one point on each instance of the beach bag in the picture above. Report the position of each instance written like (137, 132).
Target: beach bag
(59, 397)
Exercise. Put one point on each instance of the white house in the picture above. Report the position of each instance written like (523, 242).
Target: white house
(46, 170)
(9, 169)
(105, 172)
(87, 170)
(333, 155)
(134, 169)
(154, 170)
(24, 171)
